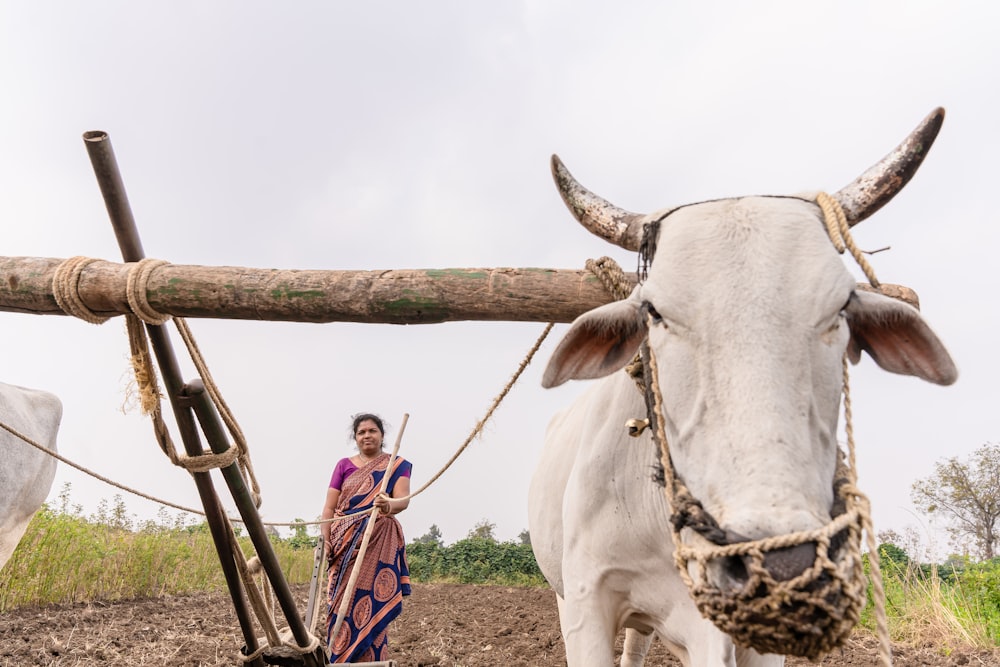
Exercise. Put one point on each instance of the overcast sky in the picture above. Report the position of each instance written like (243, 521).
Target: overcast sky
(377, 135)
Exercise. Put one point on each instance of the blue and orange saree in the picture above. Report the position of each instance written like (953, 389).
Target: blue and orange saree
(384, 577)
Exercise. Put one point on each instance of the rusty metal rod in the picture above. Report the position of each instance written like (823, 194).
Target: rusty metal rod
(113, 190)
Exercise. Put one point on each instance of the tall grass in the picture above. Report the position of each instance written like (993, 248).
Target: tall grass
(947, 606)
(66, 557)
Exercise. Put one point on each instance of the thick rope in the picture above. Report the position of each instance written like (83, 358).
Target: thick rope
(135, 290)
(840, 234)
(65, 282)
(611, 276)
(478, 428)
(59, 457)
(240, 442)
(878, 588)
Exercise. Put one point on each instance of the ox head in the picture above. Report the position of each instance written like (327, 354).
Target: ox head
(749, 311)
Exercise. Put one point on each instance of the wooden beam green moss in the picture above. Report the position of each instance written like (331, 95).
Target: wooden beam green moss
(280, 293)
(457, 273)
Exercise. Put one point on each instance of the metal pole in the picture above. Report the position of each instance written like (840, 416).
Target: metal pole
(109, 179)
(218, 440)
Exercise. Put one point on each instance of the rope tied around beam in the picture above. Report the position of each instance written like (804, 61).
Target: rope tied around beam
(136, 287)
(66, 290)
(150, 404)
(611, 276)
(65, 283)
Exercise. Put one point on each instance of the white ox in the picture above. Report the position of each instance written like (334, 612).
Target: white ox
(753, 310)
(26, 473)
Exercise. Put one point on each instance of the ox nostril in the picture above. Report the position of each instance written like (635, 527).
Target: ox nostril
(735, 570)
(790, 562)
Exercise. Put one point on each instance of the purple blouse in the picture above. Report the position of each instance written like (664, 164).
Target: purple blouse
(344, 469)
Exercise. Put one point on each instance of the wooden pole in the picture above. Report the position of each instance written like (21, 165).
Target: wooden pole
(401, 296)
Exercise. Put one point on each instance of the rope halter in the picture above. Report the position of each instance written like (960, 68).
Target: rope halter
(807, 613)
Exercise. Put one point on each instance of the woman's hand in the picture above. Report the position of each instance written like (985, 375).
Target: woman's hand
(382, 502)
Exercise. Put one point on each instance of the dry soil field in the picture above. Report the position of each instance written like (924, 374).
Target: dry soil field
(447, 625)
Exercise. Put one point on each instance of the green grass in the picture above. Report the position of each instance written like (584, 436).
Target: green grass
(66, 557)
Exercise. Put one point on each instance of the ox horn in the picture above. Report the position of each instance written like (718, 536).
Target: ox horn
(874, 188)
(597, 215)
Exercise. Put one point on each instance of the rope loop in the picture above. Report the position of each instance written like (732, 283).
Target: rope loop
(136, 286)
(65, 289)
(611, 276)
(208, 460)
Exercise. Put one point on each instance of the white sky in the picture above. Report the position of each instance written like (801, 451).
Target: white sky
(320, 135)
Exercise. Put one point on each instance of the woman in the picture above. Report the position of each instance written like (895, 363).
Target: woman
(384, 577)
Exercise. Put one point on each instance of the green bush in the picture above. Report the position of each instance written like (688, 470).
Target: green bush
(474, 560)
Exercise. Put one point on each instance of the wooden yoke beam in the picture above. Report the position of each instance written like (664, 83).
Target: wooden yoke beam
(403, 296)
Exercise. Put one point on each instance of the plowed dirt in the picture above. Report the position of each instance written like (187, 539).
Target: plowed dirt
(446, 625)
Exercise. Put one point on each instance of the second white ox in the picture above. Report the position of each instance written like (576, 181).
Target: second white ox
(26, 473)
(753, 311)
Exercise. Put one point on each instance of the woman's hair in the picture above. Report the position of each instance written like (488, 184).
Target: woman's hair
(366, 416)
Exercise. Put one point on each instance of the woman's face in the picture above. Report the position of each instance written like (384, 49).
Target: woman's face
(368, 437)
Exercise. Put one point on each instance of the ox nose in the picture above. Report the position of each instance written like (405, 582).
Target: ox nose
(782, 564)
(790, 562)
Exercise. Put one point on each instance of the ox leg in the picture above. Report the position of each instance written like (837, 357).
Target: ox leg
(746, 657)
(589, 633)
(636, 647)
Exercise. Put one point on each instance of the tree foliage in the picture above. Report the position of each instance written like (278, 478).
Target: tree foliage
(301, 539)
(432, 536)
(484, 530)
(967, 494)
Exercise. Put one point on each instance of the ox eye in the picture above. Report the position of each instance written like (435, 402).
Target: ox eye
(653, 314)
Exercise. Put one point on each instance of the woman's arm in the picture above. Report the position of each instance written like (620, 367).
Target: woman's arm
(329, 510)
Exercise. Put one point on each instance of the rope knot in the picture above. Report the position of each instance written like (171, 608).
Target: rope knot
(611, 276)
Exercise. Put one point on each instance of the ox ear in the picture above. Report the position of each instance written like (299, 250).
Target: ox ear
(598, 343)
(897, 338)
